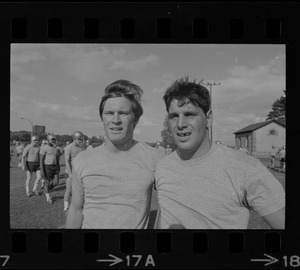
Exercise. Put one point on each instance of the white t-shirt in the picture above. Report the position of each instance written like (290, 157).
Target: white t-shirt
(215, 191)
(117, 188)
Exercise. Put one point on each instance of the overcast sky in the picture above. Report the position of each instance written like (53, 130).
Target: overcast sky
(61, 85)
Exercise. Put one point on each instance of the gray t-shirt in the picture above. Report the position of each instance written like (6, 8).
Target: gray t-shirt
(215, 191)
(117, 188)
(72, 150)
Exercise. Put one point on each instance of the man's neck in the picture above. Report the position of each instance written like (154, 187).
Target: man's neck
(202, 150)
(117, 148)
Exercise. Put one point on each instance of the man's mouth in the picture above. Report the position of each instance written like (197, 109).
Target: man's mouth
(184, 134)
(116, 128)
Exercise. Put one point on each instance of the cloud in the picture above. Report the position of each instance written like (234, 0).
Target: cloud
(90, 63)
(247, 94)
(57, 115)
(74, 98)
(21, 88)
(20, 57)
(27, 77)
(84, 62)
(135, 65)
(164, 82)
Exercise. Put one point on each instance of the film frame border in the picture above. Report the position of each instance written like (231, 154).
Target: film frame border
(240, 23)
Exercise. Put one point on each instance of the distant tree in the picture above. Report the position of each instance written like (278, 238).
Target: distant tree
(101, 139)
(43, 136)
(15, 137)
(166, 135)
(94, 139)
(25, 136)
(278, 108)
(62, 139)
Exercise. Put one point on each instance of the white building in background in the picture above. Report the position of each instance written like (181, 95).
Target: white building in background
(259, 138)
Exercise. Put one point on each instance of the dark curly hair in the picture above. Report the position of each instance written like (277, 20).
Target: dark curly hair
(185, 91)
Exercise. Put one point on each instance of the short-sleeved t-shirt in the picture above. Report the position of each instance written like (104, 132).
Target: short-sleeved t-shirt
(72, 150)
(215, 191)
(51, 153)
(117, 188)
(32, 153)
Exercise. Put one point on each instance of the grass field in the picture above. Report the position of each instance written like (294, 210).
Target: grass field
(36, 213)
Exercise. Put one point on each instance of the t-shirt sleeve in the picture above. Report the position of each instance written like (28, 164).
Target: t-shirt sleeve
(264, 193)
(77, 184)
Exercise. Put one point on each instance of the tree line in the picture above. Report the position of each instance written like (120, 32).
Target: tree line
(25, 136)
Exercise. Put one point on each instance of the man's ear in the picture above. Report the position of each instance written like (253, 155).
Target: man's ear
(209, 117)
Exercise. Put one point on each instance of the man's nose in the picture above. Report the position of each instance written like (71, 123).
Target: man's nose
(116, 118)
(182, 122)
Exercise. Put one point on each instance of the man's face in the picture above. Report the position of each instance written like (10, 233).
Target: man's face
(52, 140)
(118, 120)
(189, 126)
(35, 142)
(79, 141)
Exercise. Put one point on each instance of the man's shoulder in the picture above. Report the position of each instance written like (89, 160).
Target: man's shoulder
(94, 152)
(229, 155)
(168, 159)
(28, 147)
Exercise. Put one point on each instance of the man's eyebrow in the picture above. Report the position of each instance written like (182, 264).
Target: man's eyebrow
(172, 114)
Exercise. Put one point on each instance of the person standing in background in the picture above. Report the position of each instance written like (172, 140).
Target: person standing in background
(31, 163)
(281, 154)
(49, 164)
(19, 152)
(71, 151)
(88, 145)
(273, 156)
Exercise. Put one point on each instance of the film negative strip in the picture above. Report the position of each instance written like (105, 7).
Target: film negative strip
(168, 24)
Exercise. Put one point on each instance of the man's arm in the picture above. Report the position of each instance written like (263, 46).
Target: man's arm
(24, 159)
(42, 159)
(75, 216)
(68, 162)
(276, 220)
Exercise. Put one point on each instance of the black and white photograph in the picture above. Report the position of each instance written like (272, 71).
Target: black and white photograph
(147, 136)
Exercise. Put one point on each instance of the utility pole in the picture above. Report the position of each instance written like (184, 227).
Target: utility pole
(210, 95)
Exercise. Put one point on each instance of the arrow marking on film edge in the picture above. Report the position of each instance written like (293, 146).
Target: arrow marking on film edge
(269, 261)
(114, 261)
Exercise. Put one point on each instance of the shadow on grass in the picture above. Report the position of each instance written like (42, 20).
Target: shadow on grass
(56, 198)
(58, 188)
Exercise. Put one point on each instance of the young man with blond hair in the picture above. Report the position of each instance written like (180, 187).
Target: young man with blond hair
(112, 184)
